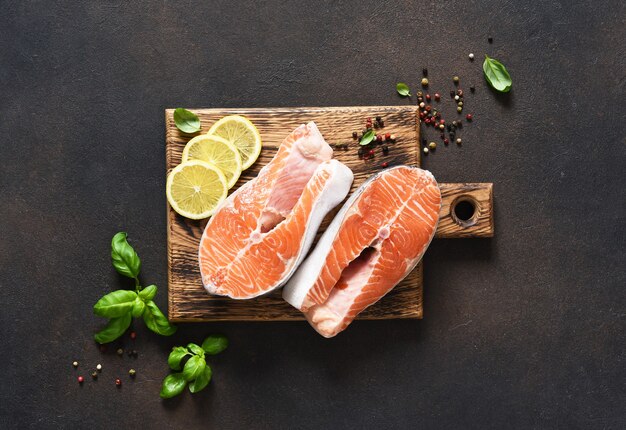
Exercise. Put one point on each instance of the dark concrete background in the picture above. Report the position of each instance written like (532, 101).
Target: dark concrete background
(521, 331)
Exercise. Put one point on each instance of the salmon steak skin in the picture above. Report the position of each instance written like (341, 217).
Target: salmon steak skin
(377, 238)
(262, 232)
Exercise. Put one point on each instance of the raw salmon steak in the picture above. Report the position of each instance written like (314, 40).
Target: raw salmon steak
(261, 232)
(376, 239)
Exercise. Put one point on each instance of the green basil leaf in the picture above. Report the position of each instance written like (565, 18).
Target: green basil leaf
(173, 385)
(156, 321)
(124, 258)
(195, 349)
(138, 307)
(176, 356)
(403, 89)
(193, 367)
(367, 137)
(215, 344)
(201, 381)
(148, 293)
(497, 75)
(186, 121)
(115, 304)
(114, 329)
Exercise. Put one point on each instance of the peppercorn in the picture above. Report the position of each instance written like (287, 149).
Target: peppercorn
(381, 123)
(456, 98)
(81, 379)
(459, 93)
(452, 93)
(372, 152)
(446, 141)
(385, 164)
(471, 56)
(118, 382)
(120, 352)
(132, 373)
(360, 153)
(420, 94)
(432, 145)
(355, 135)
(442, 121)
(385, 150)
(75, 364)
(428, 108)
(425, 72)
(459, 109)
(460, 104)
(376, 125)
(460, 124)
(392, 137)
(458, 141)
(427, 121)
(94, 374)
(455, 80)
(449, 127)
(424, 82)
(428, 97)
(452, 135)
(425, 150)
(422, 104)
(441, 126)
(437, 96)
(99, 367)
(472, 88)
(469, 117)
(379, 138)
(387, 136)
(490, 39)
(422, 115)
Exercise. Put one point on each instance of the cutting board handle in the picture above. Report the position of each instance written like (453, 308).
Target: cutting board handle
(466, 211)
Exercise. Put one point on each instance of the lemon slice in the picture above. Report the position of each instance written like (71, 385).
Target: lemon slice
(216, 151)
(195, 189)
(243, 134)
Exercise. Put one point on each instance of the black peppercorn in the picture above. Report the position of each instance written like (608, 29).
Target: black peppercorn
(385, 150)
(378, 119)
(452, 93)
(425, 72)
(355, 135)
(490, 39)
(472, 88)
(360, 153)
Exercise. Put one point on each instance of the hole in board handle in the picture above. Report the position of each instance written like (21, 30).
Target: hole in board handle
(465, 211)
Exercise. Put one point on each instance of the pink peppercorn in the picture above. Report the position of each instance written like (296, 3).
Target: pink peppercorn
(469, 117)
(385, 164)
(437, 96)
(446, 141)
(133, 335)
(118, 382)
(81, 379)
(428, 97)
(387, 136)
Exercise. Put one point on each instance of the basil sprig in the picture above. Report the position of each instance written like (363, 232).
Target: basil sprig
(186, 121)
(496, 75)
(403, 89)
(122, 306)
(367, 137)
(195, 370)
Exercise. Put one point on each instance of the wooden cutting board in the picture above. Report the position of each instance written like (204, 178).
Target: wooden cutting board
(188, 301)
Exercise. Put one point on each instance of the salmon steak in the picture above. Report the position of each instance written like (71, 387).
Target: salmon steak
(261, 233)
(377, 238)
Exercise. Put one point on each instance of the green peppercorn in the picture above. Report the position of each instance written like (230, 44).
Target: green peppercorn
(94, 374)
(460, 104)
(424, 82)
(456, 79)
(432, 145)
(120, 352)
(132, 373)
(459, 109)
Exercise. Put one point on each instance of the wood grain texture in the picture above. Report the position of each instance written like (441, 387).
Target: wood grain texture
(479, 225)
(188, 301)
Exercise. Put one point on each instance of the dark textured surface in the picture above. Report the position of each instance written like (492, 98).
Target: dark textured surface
(524, 330)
